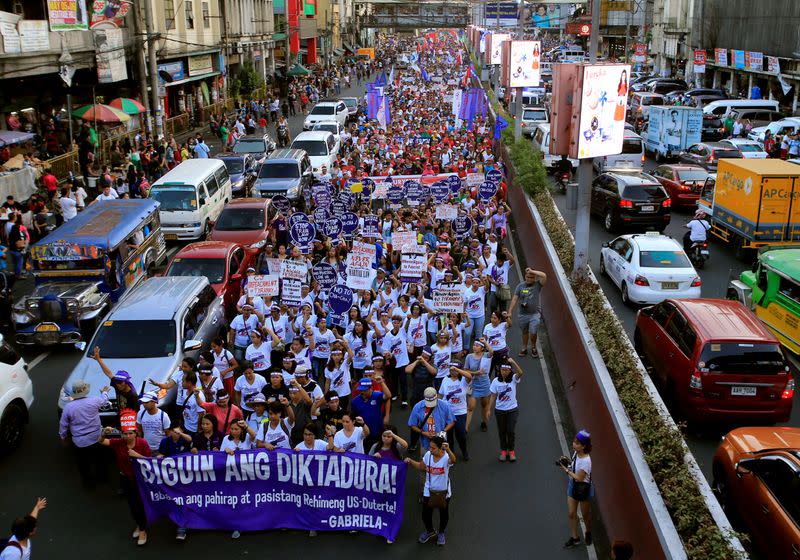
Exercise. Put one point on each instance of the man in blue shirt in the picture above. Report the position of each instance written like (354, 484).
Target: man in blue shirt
(201, 149)
(430, 416)
(367, 404)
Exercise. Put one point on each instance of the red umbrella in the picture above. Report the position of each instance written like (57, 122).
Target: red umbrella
(127, 105)
(100, 113)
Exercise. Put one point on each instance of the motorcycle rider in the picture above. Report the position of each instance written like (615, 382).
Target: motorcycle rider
(282, 127)
(563, 167)
(698, 228)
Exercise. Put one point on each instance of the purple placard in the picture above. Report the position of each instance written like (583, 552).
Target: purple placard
(325, 275)
(370, 227)
(322, 195)
(259, 490)
(369, 186)
(281, 203)
(321, 214)
(302, 233)
(349, 223)
(332, 227)
(487, 190)
(339, 207)
(395, 194)
(340, 298)
(455, 183)
(462, 225)
(440, 191)
(346, 197)
(297, 217)
(414, 190)
(494, 176)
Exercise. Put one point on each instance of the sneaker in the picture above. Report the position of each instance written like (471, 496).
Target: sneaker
(404, 404)
(236, 535)
(587, 538)
(425, 537)
(484, 427)
(389, 541)
(180, 534)
(502, 457)
(312, 533)
(135, 534)
(571, 542)
(440, 539)
(512, 456)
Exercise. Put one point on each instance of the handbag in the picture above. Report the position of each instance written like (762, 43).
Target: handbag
(438, 498)
(504, 292)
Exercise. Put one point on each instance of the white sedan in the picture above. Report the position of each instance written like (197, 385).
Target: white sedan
(750, 148)
(649, 268)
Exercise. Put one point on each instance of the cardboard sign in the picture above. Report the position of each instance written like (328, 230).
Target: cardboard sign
(360, 259)
(263, 285)
(295, 270)
(413, 264)
(446, 212)
(291, 293)
(370, 227)
(401, 240)
(448, 300)
(273, 265)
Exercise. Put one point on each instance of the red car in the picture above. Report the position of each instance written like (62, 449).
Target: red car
(683, 182)
(223, 263)
(245, 221)
(714, 360)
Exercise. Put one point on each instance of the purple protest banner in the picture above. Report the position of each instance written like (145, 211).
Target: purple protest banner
(339, 207)
(332, 227)
(487, 190)
(325, 275)
(349, 223)
(462, 225)
(259, 490)
(322, 195)
(494, 176)
(340, 298)
(455, 183)
(440, 191)
(346, 198)
(282, 203)
(371, 227)
(395, 194)
(321, 214)
(302, 234)
(297, 217)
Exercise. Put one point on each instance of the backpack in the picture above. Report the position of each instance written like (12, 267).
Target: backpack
(6, 542)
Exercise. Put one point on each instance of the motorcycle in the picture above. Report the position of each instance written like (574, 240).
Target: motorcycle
(562, 179)
(698, 253)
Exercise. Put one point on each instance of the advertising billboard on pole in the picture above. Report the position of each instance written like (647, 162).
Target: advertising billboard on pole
(604, 97)
(524, 63)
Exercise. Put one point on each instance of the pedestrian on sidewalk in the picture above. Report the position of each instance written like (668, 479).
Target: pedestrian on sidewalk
(580, 489)
(437, 492)
(527, 295)
(19, 544)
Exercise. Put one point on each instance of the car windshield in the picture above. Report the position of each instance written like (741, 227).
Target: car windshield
(719, 154)
(279, 171)
(731, 357)
(312, 147)
(240, 219)
(643, 192)
(175, 198)
(532, 115)
(332, 128)
(235, 166)
(748, 148)
(692, 174)
(154, 339)
(213, 269)
(323, 110)
(664, 259)
(631, 146)
(775, 127)
(351, 102)
(249, 147)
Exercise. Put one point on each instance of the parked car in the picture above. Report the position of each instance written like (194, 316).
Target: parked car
(708, 154)
(750, 149)
(326, 111)
(531, 117)
(649, 268)
(330, 126)
(286, 171)
(223, 263)
(16, 397)
(631, 158)
(713, 128)
(353, 108)
(682, 182)
(321, 147)
(242, 169)
(790, 125)
(756, 478)
(666, 85)
(714, 360)
(257, 146)
(757, 117)
(630, 199)
(169, 318)
(245, 221)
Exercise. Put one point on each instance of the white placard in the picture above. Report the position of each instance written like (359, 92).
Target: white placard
(448, 300)
(412, 265)
(296, 270)
(475, 179)
(603, 106)
(380, 190)
(446, 212)
(273, 265)
(34, 36)
(360, 273)
(8, 29)
(263, 285)
(291, 293)
(401, 240)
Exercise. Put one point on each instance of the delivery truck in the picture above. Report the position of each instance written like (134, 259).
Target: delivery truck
(671, 130)
(752, 203)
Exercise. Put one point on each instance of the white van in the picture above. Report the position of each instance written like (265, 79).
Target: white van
(722, 107)
(541, 142)
(630, 159)
(321, 147)
(192, 196)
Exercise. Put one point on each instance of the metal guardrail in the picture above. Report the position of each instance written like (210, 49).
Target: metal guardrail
(63, 164)
(176, 125)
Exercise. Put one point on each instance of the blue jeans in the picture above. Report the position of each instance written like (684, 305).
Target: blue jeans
(18, 261)
(477, 328)
(459, 433)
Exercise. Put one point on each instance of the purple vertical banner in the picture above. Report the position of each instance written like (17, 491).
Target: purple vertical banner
(259, 490)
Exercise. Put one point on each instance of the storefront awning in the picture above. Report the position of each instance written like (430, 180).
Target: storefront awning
(192, 79)
(298, 70)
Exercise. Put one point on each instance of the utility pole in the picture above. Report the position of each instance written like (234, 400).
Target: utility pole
(518, 105)
(152, 67)
(141, 75)
(585, 172)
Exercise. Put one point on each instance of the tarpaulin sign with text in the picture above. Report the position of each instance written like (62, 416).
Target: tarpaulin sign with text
(260, 490)
(360, 259)
(263, 285)
(295, 270)
(412, 264)
(402, 239)
(448, 300)
(474, 179)
(291, 293)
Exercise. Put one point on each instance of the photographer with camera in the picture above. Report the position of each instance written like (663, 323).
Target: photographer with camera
(437, 491)
(527, 295)
(580, 489)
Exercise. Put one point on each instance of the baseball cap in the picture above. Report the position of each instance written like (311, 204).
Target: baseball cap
(257, 398)
(150, 396)
(431, 399)
(584, 437)
(364, 384)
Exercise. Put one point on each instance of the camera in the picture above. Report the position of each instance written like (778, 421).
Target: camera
(563, 462)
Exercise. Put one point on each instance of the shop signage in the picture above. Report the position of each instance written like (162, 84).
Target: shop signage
(67, 15)
(199, 65)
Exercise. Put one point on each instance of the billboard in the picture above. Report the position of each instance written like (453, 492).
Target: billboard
(501, 14)
(524, 63)
(496, 51)
(604, 98)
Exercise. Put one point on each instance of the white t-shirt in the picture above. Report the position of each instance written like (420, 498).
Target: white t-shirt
(247, 389)
(440, 359)
(322, 343)
(506, 393)
(582, 464)
(277, 436)
(259, 356)
(475, 301)
(416, 329)
(437, 475)
(280, 326)
(397, 345)
(454, 391)
(14, 553)
(354, 443)
(228, 443)
(212, 388)
(319, 445)
(222, 361)
(192, 412)
(500, 274)
(243, 329)
(362, 351)
(496, 336)
(69, 208)
(257, 303)
(153, 426)
(340, 378)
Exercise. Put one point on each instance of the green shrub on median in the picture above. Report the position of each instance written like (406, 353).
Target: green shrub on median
(662, 445)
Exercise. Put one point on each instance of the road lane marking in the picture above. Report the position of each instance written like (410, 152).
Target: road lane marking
(37, 360)
(551, 397)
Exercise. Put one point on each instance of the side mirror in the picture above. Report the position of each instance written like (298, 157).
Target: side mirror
(192, 345)
(80, 346)
(741, 468)
(605, 245)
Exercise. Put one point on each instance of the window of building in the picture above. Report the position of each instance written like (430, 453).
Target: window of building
(169, 13)
(189, 14)
(206, 16)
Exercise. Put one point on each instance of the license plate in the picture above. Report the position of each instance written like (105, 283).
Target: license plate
(171, 236)
(743, 391)
(47, 327)
(704, 252)
(669, 285)
(648, 208)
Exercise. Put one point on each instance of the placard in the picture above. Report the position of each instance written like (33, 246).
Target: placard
(332, 228)
(370, 227)
(303, 233)
(474, 179)
(487, 190)
(325, 275)
(321, 214)
(340, 299)
(349, 223)
(297, 217)
(455, 183)
(295, 270)
(440, 191)
(360, 259)
(401, 240)
(291, 293)
(413, 263)
(339, 207)
(448, 300)
(395, 194)
(263, 285)
(446, 212)
(462, 226)
(281, 203)
(494, 176)
(273, 265)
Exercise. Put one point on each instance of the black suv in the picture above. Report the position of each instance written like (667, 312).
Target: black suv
(713, 129)
(630, 199)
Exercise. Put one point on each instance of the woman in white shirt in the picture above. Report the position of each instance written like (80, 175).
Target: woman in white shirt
(241, 438)
(436, 465)
(310, 441)
(504, 401)
(351, 437)
(580, 489)
(337, 372)
(453, 390)
(495, 335)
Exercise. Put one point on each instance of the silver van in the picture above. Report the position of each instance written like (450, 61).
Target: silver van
(150, 331)
(722, 107)
(630, 159)
(541, 142)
